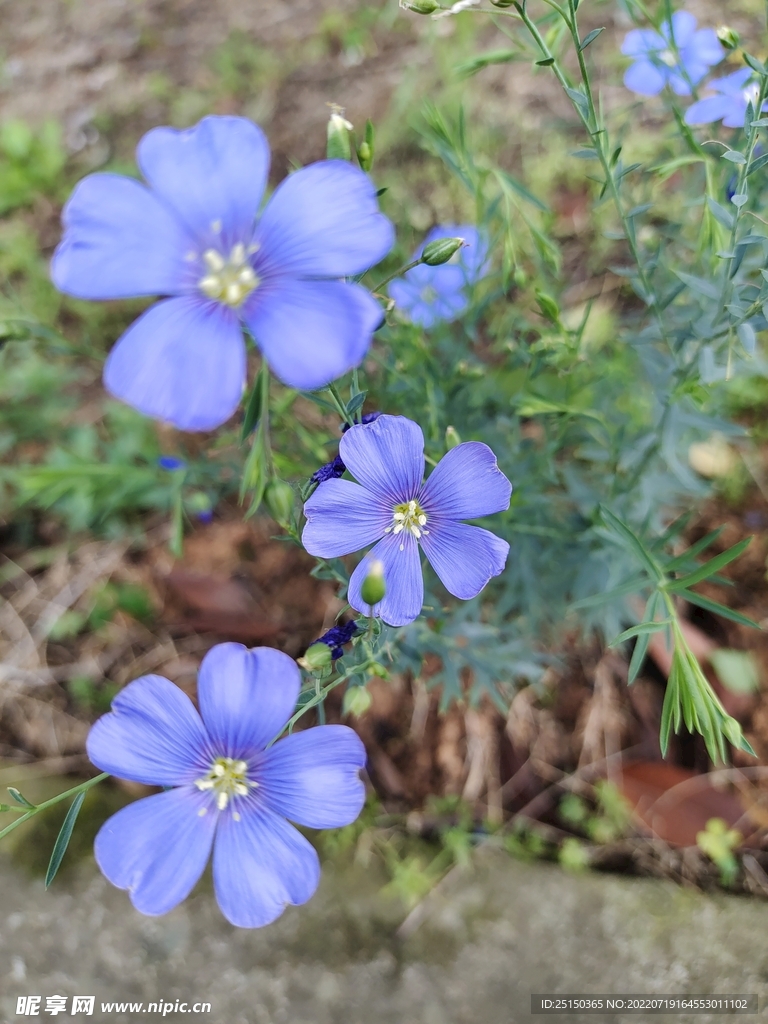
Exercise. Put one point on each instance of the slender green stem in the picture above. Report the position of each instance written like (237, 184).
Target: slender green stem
(397, 273)
(743, 175)
(82, 788)
(340, 405)
(590, 122)
(320, 696)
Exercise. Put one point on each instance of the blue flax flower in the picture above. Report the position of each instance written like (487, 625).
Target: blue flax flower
(337, 636)
(392, 506)
(193, 234)
(228, 793)
(431, 294)
(655, 62)
(734, 94)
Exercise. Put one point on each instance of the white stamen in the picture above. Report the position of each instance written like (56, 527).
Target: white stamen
(227, 779)
(229, 280)
(408, 516)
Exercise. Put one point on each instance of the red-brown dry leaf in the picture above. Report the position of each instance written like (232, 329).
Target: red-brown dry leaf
(675, 804)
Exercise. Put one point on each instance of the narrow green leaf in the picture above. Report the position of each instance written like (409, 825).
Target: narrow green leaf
(590, 38)
(253, 409)
(734, 156)
(717, 608)
(642, 629)
(638, 657)
(546, 63)
(699, 285)
(356, 402)
(693, 550)
(759, 164)
(631, 541)
(723, 216)
(19, 798)
(630, 587)
(62, 840)
(755, 64)
(711, 567)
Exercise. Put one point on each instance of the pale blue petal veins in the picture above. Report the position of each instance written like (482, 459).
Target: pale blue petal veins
(312, 332)
(157, 848)
(466, 484)
(323, 221)
(153, 734)
(246, 697)
(182, 361)
(120, 241)
(464, 557)
(313, 777)
(343, 517)
(402, 577)
(386, 457)
(261, 864)
(212, 175)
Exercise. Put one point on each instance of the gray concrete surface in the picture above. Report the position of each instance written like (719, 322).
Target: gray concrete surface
(491, 938)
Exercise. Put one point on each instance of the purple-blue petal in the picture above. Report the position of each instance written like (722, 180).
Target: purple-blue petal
(464, 557)
(641, 41)
(706, 48)
(323, 221)
(312, 332)
(157, 848)
(182, 361)
(402, 576)
(466, 484)
(343, 517)
(153, 734)
(736, 114)
(120, 241)
(713, 108)
(246, 697)
(679, 84)
(212, 176)
(386, 457)
(733, 84)
(645, 78)
(261, 864)
(313, 777)
(682, 29)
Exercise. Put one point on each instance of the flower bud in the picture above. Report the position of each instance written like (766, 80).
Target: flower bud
(420, 6)
(440, 251)
(278, 497)
(452, 439)
(374, 587)
(338, 146)
(549, 308)
(357, 700)
(728, 36)
(732, 731)
(365, 156)
(502, 3)
(317, 658)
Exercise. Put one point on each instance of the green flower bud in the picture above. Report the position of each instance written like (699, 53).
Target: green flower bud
(365, 156)
(728, 36)
(338, 146)
(549, 308)
(420, 6)
(440, 251)
(452, 439)
(502, 3)
(317, 658)
(278, 497)
(374, 587)
(356, 702)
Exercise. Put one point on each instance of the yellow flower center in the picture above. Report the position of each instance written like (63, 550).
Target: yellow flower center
(226, 779)
(410, 517)
(229, 280)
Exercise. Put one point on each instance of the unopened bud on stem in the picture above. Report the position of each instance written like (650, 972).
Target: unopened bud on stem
(374, 588)
(338, 146)
(420, 6)
(317, 658)
(357, 700)
(278, 497)
(452, 438)
(728, 36)
(440, 251)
